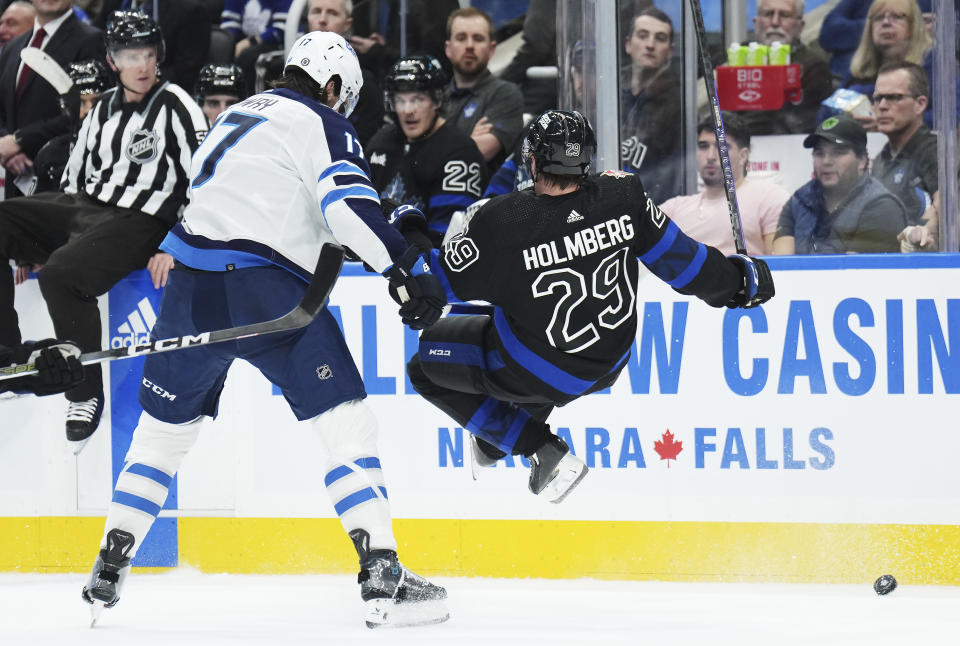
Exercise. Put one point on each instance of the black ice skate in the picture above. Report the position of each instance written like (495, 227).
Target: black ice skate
(483, 454)
(109, 571)
(554, 471)
(83, 418)
(394, 596)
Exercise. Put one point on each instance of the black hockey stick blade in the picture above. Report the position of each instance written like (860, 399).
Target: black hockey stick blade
(324, 278)
(729, 184)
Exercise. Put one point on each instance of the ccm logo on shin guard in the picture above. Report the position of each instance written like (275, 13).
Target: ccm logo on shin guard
(157, 390)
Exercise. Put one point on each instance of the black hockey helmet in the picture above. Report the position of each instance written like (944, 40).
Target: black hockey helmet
(415, 74)
(561, 141)
(130, 29)
(221, 78)
(90, 76)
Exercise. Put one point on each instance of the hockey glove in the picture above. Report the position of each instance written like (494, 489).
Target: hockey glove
(757, 282)
(416, 290)
(57, 363)
(411, 223)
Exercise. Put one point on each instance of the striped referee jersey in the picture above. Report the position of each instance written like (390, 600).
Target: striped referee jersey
(137, 155)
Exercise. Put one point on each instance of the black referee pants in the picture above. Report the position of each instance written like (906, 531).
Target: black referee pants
(85, 248)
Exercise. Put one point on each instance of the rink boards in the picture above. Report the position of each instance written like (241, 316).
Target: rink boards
(811, 440)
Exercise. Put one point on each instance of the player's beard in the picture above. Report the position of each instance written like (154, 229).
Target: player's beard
(472, 72)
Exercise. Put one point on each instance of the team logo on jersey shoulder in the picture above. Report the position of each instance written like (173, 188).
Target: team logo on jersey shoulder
(460, 252)
(656, 215)
(618, 174)
(142, 148)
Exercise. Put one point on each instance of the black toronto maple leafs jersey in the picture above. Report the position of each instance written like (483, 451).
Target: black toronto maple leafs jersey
(562, 271)
(439, 175)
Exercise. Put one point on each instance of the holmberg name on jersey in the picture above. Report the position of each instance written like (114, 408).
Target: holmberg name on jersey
(584, 242)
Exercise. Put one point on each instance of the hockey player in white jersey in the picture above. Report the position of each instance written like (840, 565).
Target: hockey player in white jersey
(279, 175)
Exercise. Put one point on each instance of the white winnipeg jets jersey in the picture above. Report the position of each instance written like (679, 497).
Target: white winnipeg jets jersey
(277, 176)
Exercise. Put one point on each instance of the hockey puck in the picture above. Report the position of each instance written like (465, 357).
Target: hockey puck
(885, 584)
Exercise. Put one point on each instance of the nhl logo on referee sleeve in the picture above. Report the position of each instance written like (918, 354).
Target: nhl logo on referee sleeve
(324, 372)
(142, 148)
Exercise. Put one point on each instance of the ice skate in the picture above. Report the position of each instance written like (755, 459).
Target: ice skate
(482, 454)
(555, 471)
(83, 418)
(109, 572)
(394, 596)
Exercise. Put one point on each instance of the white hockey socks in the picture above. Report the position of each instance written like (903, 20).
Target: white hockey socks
(153, 459)
(353, 478)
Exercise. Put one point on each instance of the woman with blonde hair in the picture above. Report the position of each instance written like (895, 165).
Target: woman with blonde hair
(895, 32)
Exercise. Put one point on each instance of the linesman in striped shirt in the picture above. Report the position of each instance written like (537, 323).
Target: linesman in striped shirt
(125, 185)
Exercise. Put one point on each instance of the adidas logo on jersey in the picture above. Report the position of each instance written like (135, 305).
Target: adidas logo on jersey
(380, 159)
(136, 331)
(574, 217)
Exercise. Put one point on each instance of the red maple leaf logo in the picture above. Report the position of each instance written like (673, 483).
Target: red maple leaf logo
(666, 448)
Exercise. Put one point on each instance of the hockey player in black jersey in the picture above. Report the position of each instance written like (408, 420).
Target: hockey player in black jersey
(559, 265)
(421, 159)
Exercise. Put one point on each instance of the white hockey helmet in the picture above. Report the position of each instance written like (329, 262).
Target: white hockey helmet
(323, 55)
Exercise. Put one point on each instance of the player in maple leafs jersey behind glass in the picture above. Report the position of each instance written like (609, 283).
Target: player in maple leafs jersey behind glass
(559, 265)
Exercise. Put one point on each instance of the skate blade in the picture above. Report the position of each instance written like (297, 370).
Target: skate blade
(95, 611)
(78, 446)
(387, 613)
(568, 474)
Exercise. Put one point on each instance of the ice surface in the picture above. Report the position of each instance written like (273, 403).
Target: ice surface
(184, 607)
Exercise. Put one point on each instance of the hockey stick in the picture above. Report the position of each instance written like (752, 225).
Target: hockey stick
(51, 72)
(728, 181)
(324, 278)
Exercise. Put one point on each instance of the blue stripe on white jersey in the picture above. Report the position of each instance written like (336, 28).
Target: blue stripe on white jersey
(279, 191)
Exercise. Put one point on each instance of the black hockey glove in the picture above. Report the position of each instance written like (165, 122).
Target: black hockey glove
(416, 289)
(57, 363)
(410, 222)
(757, 282)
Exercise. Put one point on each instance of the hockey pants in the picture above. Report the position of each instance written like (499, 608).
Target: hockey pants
(457, 375)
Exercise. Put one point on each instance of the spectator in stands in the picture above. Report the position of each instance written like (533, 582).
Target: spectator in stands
(257, 28)
(219, 87)
(186, 31)
(705, 216)
(15, 20)
(337, 16)
(488, 109)
(650, 106)
(539, 48)
(30, 113)
(907, 165)
(423, 159)
(425, 34)
(124, 187)
(841, 30)
(895, 32)
(842, 209)
(926, 235)
(782, 21)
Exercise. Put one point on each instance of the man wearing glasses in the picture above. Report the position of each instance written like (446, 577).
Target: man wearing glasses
(907, 165)
(782, 21)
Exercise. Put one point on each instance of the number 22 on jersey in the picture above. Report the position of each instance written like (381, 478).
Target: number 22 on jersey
(231, 128)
